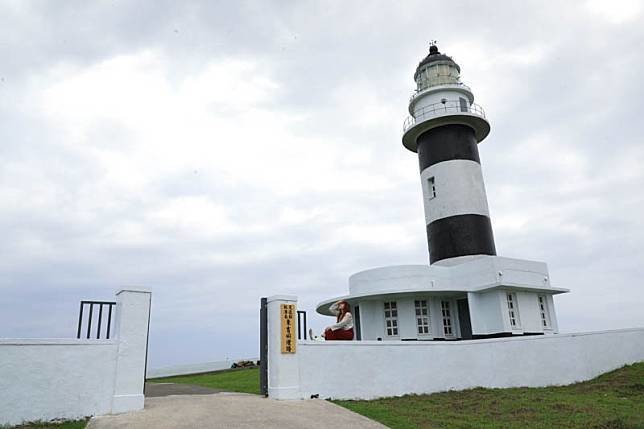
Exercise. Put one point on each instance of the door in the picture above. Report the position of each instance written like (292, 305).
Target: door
(356, 322)
(464, 319)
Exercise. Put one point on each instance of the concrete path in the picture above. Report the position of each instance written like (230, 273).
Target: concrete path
(234, 410)
(154, 390)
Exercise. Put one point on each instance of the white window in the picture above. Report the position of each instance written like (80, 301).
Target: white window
(391, 318)
(431, 188)
(513, 310)
(543, 309)
(448, 330)
(422, 317)
(463, 104)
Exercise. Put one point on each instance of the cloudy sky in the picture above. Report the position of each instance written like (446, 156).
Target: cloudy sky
(217, 152)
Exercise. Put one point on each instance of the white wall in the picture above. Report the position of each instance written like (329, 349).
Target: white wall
(400, 278)
(489, 312)
(529, 312)
(406, 318)
(371, 369)
(46, 379)
(372, 323)
(435, 95)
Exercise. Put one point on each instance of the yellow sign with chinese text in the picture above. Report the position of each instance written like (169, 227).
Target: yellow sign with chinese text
(287, 314)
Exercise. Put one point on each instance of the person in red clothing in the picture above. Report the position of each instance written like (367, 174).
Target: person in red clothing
(343, 328)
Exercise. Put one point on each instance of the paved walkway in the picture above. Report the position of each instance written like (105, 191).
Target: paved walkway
(231, 410)
(155, 390)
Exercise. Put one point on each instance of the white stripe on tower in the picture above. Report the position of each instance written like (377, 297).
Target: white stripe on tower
(452, 188)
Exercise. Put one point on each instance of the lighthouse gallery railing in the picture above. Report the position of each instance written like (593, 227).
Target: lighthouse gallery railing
(442, 109)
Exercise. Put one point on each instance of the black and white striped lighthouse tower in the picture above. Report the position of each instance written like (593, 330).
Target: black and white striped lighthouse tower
(444, 128)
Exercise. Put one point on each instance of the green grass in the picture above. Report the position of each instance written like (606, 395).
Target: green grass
(76, 424)
(235, 380)
(611, 401)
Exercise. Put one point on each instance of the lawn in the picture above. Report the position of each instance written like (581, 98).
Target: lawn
(234, 380)
(613, 400)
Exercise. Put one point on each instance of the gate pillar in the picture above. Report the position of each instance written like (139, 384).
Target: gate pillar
(283, 365)
(132, 328)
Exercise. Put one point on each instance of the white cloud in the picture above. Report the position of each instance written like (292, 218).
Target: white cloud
(615, 11)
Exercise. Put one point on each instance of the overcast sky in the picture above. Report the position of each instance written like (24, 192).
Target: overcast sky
(217, 152)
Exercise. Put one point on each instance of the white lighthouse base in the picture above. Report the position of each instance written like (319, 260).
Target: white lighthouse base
(477, 297)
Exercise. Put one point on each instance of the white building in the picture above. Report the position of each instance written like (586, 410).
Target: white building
(467, 291)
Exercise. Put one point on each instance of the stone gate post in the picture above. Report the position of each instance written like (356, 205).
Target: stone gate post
(132, 326)
(283, 368)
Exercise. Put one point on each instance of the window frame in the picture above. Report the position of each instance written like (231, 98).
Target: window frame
(449, 317)
(431, 188)
(512, 306)
(418, 308)
(394, 325)
(544, 311)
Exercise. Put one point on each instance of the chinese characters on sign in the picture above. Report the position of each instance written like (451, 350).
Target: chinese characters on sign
(287, 312)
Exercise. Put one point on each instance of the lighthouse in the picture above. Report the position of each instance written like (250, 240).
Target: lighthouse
(467, 291)
(444, 128)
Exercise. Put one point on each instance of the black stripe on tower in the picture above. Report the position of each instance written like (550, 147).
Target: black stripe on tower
(461, 235)
(447, 143)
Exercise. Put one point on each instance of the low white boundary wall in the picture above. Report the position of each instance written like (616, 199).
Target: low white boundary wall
(368, 370)
(46, 379)
(372, 369)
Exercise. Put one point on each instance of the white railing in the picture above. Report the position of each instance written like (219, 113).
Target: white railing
(448, 107)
